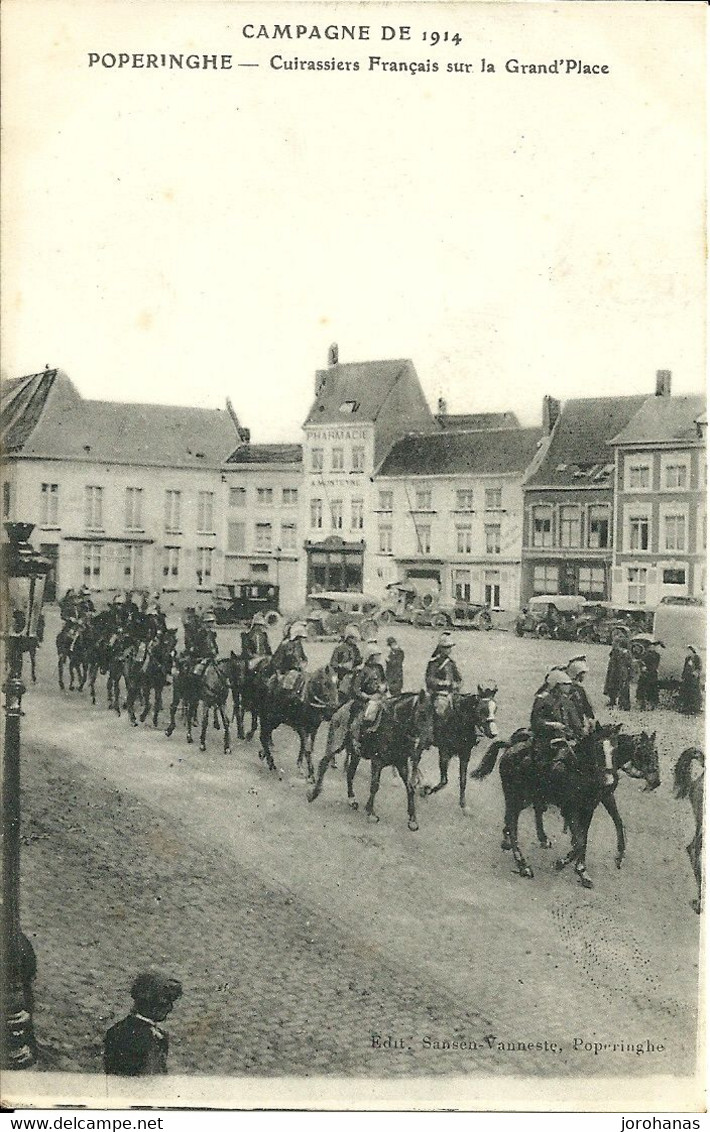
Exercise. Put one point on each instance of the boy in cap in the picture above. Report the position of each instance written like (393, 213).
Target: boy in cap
(137, 1046)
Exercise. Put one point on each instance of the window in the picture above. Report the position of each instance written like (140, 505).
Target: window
(263, 536)
(637, 585)
(265, 496)
(316, 459)
(316, 514)
(464, 499)
(570, 526)
(639, 477)
(236, 537)
(6, 500)
(598, 535)
(203, 567)
(172, 510)
(385, 540)
(289, 496)
(336, 514)
(422, 499)
(171, 566)
(674, 577)
(463, 540)
(542, 529)
(50, 504)
(491, 592)
(493, 498)
(546, 580)
(132, 565)
(358, 459)
(423, 538)
(288, 536)
(94, 508)
(492, 538)
(92, 564)
(386, 499)
(676, 476)
(462, 584)
(356, 515)
(591, 581)
(134, 508)
(638, 532)
(675, 532)
(205, 512)
(338, 459)
(237, 497)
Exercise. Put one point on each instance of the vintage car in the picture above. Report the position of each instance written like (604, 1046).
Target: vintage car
(679, 622)
(414, 607)
(551, 615)
(327, 614)
(605, 623)
(239, 601)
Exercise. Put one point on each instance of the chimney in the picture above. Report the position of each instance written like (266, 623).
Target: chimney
(333, 354)
(550, 413)
(663, 383)
(441, 407)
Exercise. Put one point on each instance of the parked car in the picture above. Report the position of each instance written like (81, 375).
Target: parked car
(551, 615)
(606, 624)
(413, 607)
(328, 613)
(239, 601)
(678, 623)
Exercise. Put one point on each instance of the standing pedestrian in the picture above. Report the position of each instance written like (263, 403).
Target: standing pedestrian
(617, 685)
(691, 693)
(647, 693)
(137, 1046)
(394, 667)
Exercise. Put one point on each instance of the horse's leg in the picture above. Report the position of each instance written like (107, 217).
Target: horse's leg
(540, 828)
(323, 765)
(60, 671)
(310, 739)
(205, 725)
(158, 706)
(609, 804)
(265, 735)
(238, 712)
(464, 758)
(443, 774)
(352, 762)
(375, 772)
(225, 725)
(406, 774)
(190, 715)
(694, 851)
(512, 815)
(580, 867)
(174, 705)
(145, 684)
(215, 718)
(130, 705)
(33, 654)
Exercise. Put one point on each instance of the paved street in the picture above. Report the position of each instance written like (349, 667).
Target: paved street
(300, 931)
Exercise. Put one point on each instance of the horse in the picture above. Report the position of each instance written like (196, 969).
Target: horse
(303, 711)
(391, 742)
(210, 688)
(456, 733)
(576, 783)
(70, 649)
(121, 659)
(684, 786)
(152, 675)
(245, 690)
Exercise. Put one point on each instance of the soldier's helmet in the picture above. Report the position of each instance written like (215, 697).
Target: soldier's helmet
(372, 650)
(118, 598)
(298, 630)
(352, 633)
(209, 619)
(577, 667)
(558, 677)
(85, 591)
(258, 619)
(446, 641)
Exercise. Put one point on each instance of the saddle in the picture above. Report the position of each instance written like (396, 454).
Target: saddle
(293, 681)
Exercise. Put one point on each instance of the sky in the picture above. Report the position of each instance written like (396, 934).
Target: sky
(183, 237)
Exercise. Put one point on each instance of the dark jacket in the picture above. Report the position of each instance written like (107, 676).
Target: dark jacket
(394, 670)
(368, 681)
(256, 642)
(442, 674)
(135, 1047)
(346, 657)
(290, 655)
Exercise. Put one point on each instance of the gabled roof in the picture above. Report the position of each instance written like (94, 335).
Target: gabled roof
(356, 391)
(478, 452)
(664, 420)
(46, 417)
(266, 454)
(579, 454)
(466, 422)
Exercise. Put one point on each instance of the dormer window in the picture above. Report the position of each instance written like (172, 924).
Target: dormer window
(349, 407)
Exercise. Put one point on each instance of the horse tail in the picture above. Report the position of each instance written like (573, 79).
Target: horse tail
(681, 775)
(489, 760)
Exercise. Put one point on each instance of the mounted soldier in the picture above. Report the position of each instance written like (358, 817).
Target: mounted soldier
(204, 648)
(68, 605)
(369, 692)
(443, 679)
(346, 660)
(155, 618)
(290, 660)
(577, 669)
(554, 717)
(255, 642)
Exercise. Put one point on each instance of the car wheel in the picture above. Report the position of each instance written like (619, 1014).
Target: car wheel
(543, 630)
(272, 618)
(440, 621)
(638, 648)
(385, 616)
(520, 630)
(485, 622)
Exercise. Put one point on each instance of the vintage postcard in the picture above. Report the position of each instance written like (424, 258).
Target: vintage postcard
(354, 474)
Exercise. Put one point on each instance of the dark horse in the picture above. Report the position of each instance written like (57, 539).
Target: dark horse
(456, 732)
(576, 783)
(685, 786)
(152, 676)
(303, 711)
(393, 742)
(245, 685)
(70, 649)
(209, 688)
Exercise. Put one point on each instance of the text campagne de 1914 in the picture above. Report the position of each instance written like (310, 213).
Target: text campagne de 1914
(446, 53)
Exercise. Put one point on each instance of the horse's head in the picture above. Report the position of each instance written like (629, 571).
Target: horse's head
(485, 709)
(601, 743)
(323, 690)
(640, 758)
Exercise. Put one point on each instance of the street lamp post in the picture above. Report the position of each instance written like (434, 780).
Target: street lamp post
(22, 575)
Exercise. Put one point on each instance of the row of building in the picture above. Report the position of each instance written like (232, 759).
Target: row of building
(606, 498)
